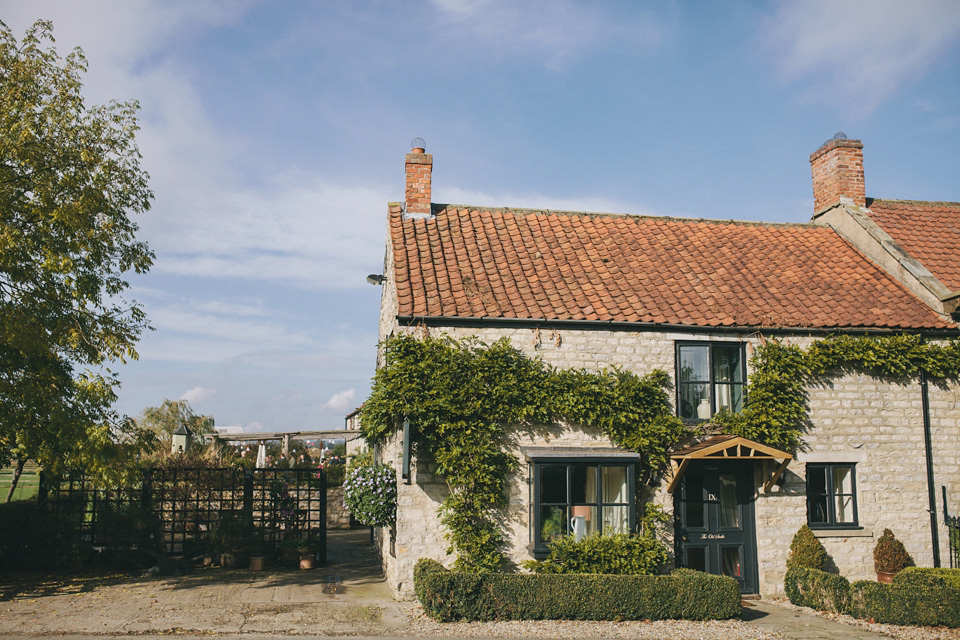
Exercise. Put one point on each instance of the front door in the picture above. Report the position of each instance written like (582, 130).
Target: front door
(715, 525)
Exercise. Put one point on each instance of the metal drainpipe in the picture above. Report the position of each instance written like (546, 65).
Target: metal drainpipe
(928, 446)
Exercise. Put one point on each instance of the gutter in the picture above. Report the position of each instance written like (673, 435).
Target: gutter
(532, 323)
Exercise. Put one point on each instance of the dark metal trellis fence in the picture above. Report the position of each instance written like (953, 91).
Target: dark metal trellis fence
(176, 510)
(953, 532)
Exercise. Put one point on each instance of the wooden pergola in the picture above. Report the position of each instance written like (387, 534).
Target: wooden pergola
(728, 448)
(287, 436)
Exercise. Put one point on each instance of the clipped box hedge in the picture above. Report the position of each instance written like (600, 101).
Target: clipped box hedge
(690, 595)
(899, 603)
(817, 589)
(926, 577)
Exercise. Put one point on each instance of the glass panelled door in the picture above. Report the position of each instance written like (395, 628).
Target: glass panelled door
(715, 528)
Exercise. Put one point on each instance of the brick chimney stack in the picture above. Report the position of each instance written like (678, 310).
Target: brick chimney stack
(837, 169)
(419, 170)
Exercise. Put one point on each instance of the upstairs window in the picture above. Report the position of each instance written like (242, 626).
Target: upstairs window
(710, 377)
(831, 495)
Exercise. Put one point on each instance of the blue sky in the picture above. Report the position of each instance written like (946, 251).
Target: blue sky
(274, 133)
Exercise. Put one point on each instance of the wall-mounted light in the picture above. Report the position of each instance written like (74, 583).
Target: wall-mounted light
(376, 278)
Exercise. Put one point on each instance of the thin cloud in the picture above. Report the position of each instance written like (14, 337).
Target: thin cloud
(342, 401)
(858, 53)
(197, 394)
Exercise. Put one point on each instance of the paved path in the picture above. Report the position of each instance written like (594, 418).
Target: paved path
(348, 597)
(801, 625)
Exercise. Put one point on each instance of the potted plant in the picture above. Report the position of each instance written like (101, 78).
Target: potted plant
(289, 549)
(308, 553)
(256, 553)
(889, 557)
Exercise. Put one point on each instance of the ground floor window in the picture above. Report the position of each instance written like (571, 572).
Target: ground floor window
(831, 495)
(581, 497)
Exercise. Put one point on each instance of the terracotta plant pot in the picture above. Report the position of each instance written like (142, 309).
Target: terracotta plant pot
(256, 563)
(886, 577)
(306, 561)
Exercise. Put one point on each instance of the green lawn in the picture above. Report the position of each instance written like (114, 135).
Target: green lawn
(27, 486)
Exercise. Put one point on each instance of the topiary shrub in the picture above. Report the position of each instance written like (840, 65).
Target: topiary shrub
(817, 589)
(597, 553)
(806, 551)
(890, 556)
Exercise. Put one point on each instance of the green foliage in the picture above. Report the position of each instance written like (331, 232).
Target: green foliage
(162, 421)
(775, 411)
(70, 179)
(610, 554)
(806, 551)
(905, 604)
(927, 577)
(461, 396)
(690, 595)
(809, 587)
(889, 555)
(370, 493)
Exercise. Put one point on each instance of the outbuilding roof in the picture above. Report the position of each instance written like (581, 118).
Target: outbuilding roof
(928, 231)
(497, 263)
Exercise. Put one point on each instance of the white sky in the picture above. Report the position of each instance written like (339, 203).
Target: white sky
(274, 133)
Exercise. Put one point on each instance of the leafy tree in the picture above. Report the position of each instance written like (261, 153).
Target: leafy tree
(162, 421)
(70, 179)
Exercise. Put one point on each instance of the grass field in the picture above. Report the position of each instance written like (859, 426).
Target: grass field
(27, 486)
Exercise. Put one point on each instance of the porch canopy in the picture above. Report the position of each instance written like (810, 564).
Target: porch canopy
(721, 448)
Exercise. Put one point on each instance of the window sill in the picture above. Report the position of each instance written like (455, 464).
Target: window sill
(853, 532)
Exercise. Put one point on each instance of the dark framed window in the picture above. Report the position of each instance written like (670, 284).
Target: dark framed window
(831, 495)
(710, 377)
(581, 496)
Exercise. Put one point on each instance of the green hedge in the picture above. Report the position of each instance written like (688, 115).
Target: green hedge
(921, 577)
(689, 595)
(932, 606)
(621, 554)
(817, 589)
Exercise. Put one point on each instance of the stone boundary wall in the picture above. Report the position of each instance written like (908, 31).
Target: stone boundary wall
(338, 517)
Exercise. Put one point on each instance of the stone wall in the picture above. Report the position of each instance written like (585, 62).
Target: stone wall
(875, 424)
(338, 517)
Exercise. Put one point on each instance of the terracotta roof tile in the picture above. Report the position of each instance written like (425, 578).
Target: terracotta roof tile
(928, 231)
(474, 263)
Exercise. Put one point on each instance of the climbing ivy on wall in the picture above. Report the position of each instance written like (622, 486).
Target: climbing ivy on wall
(776, 411)
(462, 395)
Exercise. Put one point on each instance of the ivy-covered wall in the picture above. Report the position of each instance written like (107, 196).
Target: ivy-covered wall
(852, 417)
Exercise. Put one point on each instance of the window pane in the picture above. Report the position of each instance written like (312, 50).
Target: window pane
(842, 480)
(816, 480)
(694, 501)
(726, 364)
(697, 558)
(583, 520)
(616, 520)
(844, 509)
(730, 562)
(817, 510)
(583, 483)
(694, 364)
(695, 401)
(614, 484)
(729, 516)
(729, 396)
(553, 483)
(553, 523)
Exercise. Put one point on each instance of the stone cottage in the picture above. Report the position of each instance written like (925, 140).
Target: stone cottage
(693, 297)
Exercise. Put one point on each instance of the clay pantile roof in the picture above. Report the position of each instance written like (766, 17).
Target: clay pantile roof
(928, 231)
(468, 262)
